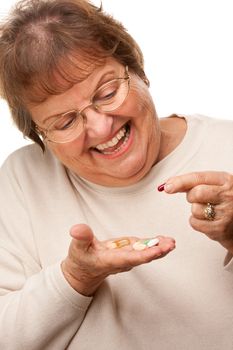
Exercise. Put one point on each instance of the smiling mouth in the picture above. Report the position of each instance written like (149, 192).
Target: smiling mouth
(116, 143)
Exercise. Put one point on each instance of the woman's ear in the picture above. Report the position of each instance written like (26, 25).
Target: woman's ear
(146, 81)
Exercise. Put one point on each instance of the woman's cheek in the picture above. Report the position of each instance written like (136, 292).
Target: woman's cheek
(144, 103)
(66, 150)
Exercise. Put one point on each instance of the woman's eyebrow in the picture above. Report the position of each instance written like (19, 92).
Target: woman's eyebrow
(107, 76)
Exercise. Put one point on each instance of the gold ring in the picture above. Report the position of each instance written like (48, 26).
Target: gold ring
(209, 212)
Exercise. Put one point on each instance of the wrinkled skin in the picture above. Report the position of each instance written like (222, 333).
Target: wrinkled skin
(208, 187)
(90, 261)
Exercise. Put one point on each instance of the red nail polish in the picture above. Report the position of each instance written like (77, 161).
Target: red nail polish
(161, 187)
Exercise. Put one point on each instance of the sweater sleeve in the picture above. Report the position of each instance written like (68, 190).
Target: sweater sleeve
(38, 308)
(44, 313)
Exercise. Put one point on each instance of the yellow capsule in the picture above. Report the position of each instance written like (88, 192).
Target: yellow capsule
(122, 242)
(119, 243)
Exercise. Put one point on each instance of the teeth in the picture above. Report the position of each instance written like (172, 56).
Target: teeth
(118, 149)
(113, 141)
(120, 134)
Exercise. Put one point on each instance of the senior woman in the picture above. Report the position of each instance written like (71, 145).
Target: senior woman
(74, 81)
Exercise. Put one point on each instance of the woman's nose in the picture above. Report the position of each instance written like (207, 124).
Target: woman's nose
(98, 124)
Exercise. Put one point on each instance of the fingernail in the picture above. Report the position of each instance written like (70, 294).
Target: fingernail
(168, 187)
(161, 187)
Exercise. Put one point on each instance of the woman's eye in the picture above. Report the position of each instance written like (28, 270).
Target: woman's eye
(106, 93)
(65, 122)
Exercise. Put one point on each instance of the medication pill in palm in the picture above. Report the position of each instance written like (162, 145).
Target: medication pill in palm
(118, 243)
(146, 243)
(152, 242)
(122, 242)
(139, 245)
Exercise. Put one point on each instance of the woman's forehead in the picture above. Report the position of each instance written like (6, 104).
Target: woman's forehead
(59, 103)
(64, 76)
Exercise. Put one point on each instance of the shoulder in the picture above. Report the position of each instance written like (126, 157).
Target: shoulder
(31, 153)
(209, 127)
(218, 128)
(215, 142)
(204, 120)
(30, 162)
(218, 131)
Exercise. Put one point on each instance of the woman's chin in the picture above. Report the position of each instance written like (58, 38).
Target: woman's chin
(128, 174)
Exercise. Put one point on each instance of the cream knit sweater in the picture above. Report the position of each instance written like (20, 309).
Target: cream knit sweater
(181, 302)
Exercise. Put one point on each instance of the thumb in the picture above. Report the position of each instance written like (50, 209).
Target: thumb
(82, 236)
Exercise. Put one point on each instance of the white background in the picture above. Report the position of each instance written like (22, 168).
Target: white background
(188, 48)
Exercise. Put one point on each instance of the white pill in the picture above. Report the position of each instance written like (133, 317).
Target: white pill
(152, 242)
(139, 246)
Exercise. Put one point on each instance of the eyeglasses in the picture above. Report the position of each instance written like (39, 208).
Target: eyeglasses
(107, 98)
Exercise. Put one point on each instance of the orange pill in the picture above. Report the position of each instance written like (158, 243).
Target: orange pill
(122, 242)
(119, 243)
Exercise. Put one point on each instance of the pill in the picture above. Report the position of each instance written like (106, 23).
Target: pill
(152, 242)
(146, 243)
(139, 245)
(119, 243)
(122, 242)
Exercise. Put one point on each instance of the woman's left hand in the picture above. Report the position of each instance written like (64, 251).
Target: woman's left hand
(211, 196)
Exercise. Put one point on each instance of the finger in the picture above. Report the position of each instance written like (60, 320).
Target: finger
(184, 183)
(204, 194)
(210, 228)
(82, 236)
(198, 211)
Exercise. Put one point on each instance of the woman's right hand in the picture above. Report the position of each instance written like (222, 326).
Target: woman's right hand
(90, 261)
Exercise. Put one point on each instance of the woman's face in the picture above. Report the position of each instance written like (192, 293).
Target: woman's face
(92, 155)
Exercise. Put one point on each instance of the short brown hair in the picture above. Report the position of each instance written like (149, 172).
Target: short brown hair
(43, 39)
